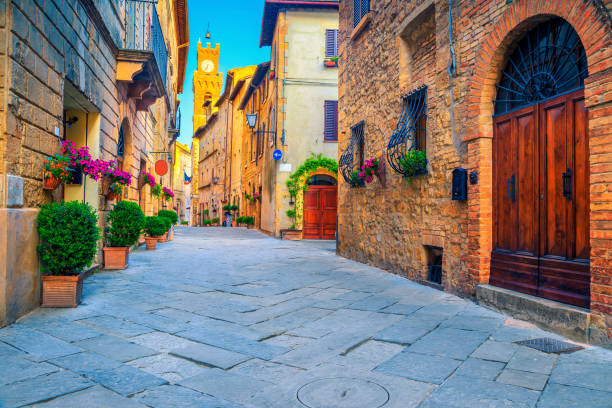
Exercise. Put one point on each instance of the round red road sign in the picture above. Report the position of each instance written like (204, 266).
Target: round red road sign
(161, 167)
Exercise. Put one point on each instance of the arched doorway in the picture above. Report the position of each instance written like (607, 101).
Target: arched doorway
(320, 208)
(541, 168)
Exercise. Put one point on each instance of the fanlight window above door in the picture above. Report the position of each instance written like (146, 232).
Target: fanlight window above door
(547, 61)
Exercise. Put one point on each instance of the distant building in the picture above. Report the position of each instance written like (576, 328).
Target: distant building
(182, 175)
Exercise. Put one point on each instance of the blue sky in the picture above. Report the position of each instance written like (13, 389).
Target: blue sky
(236, 25)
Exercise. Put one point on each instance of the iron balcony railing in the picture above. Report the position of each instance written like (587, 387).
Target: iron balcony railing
(143, 32)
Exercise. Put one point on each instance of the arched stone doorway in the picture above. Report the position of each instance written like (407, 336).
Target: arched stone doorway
(540, 168)
(593, 29)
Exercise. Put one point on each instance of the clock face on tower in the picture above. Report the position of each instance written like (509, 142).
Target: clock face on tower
(207, 66)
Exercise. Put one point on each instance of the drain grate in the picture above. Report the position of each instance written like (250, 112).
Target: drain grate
(549, 345)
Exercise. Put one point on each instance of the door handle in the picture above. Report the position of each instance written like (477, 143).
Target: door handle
(511, 193)
(566, 180)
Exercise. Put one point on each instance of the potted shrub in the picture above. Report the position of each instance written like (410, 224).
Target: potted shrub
(249, 221)
(68, 243)
(413, 163)
(55, 172)
(172, 216)
(291, 233)
(125, 222)
(167, 224)
(154, 228)
(207, 223)
(215, 221)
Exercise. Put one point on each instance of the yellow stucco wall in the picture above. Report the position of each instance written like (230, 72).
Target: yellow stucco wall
(300, 53)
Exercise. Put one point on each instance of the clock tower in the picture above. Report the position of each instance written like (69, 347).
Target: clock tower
(207, 81)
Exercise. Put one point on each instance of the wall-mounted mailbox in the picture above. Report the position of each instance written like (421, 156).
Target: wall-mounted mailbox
(459, 184)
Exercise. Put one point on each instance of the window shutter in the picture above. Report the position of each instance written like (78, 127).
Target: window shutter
(331, 43)
(331, 120)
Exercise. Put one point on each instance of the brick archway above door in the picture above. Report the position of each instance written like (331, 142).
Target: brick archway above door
(593, 25)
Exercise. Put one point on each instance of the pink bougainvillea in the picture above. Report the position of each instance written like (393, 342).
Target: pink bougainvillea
(149, 179)
(367, 170)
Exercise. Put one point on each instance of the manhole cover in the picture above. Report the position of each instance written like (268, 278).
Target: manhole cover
(342, 393)
(549, 345)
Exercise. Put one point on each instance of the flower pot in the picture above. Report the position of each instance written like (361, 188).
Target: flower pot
(50, 182)
(115, 257)
(171, 234)
(62, 291)
(331, 64)
(291, 234)
(151, 242)
(163, 238)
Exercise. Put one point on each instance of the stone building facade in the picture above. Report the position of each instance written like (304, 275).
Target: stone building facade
(70, 70)
(430, 78)
(207, 81)
(181, 173)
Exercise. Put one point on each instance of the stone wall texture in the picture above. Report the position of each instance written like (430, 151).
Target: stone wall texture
(406, 45)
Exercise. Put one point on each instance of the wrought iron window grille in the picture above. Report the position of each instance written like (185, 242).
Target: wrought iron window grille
(120, 143)
(409, 136)
(351, 159)
(549, 60)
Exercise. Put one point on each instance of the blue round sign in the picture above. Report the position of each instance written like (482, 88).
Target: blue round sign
(277, 154)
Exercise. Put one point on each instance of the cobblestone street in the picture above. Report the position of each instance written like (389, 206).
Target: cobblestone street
(233, 318)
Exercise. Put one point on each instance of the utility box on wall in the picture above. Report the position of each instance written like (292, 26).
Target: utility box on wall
(459, 191)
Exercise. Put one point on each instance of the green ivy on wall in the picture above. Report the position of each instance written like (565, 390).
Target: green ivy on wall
(312, 164)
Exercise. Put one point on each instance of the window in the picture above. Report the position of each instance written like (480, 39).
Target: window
(351, 159)
(121, 144)
(331, 121)
(361, 8)
(253, 146)
(331, 43)
(410, 135)
(272, 126)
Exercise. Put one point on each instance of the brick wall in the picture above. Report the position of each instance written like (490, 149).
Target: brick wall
(388, 226)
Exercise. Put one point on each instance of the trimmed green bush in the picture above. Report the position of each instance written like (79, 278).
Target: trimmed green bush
(249, 220)
(69, 236)
(240, 220)
(167, 223)
(184, 222)
(234, 207)
(171, 215)
(125, 222)
(155, 226)
(207, 222)
(215, 220)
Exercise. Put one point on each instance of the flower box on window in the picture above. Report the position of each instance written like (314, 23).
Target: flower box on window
(331, 62)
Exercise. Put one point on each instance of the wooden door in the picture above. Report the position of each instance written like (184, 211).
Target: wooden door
(541, 201)
(320, 207)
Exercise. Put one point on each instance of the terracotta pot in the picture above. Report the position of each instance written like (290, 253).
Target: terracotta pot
(62, 291)
(171, 234)
(163, 238)
(116, 257)
(291, 234)
(50, 182)
(151, 242)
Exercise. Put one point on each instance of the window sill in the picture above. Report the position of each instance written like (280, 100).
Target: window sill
(363, 24)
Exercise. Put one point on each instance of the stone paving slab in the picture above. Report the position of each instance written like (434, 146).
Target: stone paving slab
(41, 388)
(298, 320)
(94, 397)
(210, 355)
(39, 346)
(115, 348)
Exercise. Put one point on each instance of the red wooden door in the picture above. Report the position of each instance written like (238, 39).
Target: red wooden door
(541, 201)
(320, 207)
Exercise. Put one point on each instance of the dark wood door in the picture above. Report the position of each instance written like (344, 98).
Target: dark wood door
(320, 207)
(541, 201)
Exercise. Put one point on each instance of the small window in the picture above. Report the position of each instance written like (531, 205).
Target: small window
(121, 144)
(351, 160)
(331, 121)
(272, 126)
(331, 43)
(261, 140)
(361, 8)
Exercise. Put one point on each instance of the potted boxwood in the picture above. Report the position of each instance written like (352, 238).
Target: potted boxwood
(68, 243)
(291, 233)
(215, 221)
(154, 228)
(167, 225)
(173, 217)
(125, 222)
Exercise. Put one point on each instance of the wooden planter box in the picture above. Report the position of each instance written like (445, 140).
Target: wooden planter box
(151, 242)
(62, 291)
(291, 235)
(116, 257)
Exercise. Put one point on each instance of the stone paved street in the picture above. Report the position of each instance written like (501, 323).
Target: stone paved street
(233, 318)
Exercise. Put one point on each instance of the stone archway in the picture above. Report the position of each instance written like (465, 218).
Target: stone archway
(593, 28)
